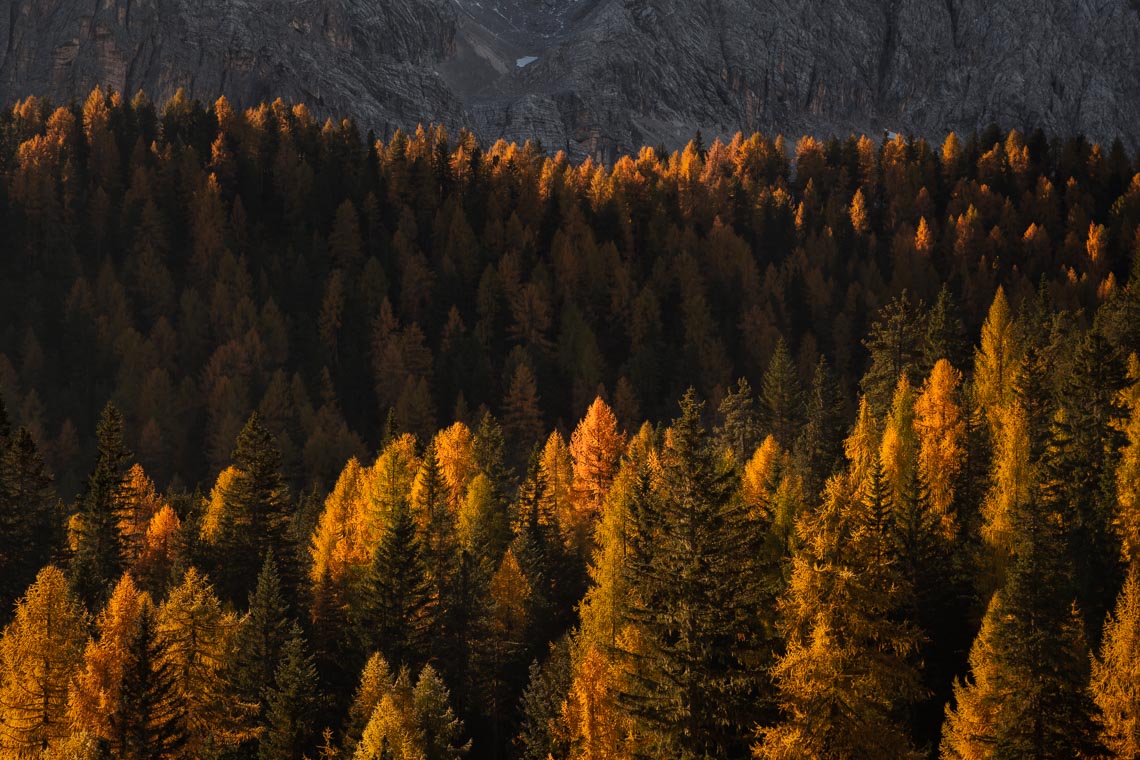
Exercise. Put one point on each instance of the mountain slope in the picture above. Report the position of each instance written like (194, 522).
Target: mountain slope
(602, 77)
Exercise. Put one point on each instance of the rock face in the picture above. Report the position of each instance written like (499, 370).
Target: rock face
(602, 77)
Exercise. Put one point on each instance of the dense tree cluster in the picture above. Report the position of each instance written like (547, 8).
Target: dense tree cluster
(393, 464)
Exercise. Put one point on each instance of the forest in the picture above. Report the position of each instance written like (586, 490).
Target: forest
(323, 445)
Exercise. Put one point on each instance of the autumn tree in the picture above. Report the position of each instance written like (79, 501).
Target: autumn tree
(595, 448)
(1116, 674)
(41, 651)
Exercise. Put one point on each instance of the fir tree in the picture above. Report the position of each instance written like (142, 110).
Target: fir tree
(99, 552)
(291, 704)
(29, 521)
(698, 681)
(739, 431)
(396, 619)
(820, 444)
(895, 343)
(264, 632)
(1027, 695)
(781, 406)
(153, 719)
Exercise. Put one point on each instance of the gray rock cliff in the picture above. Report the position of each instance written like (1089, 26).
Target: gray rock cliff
(602, 77)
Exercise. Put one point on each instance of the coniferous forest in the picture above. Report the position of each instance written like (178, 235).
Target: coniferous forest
(321, 445)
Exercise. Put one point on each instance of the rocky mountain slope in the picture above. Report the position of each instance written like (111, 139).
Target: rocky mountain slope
(601, 77)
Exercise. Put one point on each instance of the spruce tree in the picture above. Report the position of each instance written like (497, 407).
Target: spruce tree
(699, 678)
(820, 444)
(29, 520)
(781, 403)
(255, 515)
(739, 431)
(152, 723)
(263, 633)
(291, 704)
(98, 556)
(396, 619)
(895, 342)
(1079, 474)
(1028, 692)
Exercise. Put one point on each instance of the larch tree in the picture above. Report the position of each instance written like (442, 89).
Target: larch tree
(41, 652)
(849, 667)
(376, 681)
(1116, 674)
(997, 361)
(595, 446)
(199, 638)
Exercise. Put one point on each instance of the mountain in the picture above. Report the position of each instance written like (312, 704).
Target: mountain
(602, 77)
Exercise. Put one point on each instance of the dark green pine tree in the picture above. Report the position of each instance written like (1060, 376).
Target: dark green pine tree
(291, 704)
(5, 423)
(98, 559)
(490, 455)
(555, 579)
(740, 429)
(1079, 469)
(541, 706)
(781, 402)
(262, 636)
(440, 551)
(940, 599)
(895, 343)
(695, 579)
(29, 519)
(152, 722)
(819, 448)
(395, 621)
(945, 333)
(1028, 694)
(257, 516)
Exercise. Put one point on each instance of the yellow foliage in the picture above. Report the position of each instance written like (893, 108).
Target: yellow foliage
(214, 519)
(758, 480)
(595, 447)
(455, 449)
(941, 430)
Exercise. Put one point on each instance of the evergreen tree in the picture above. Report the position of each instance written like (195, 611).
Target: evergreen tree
(98, 556)
(264, 632)
(781, 406)
(1027, 696)
(895, 342)
(740, 430)
(441, 730)
(539, 736)
(153, 720)
(945, 333)
(291, 704)
(396, 617)
(251, 514)
(820, 444)
(29, 520)
(696, 586)
(1079, 472)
